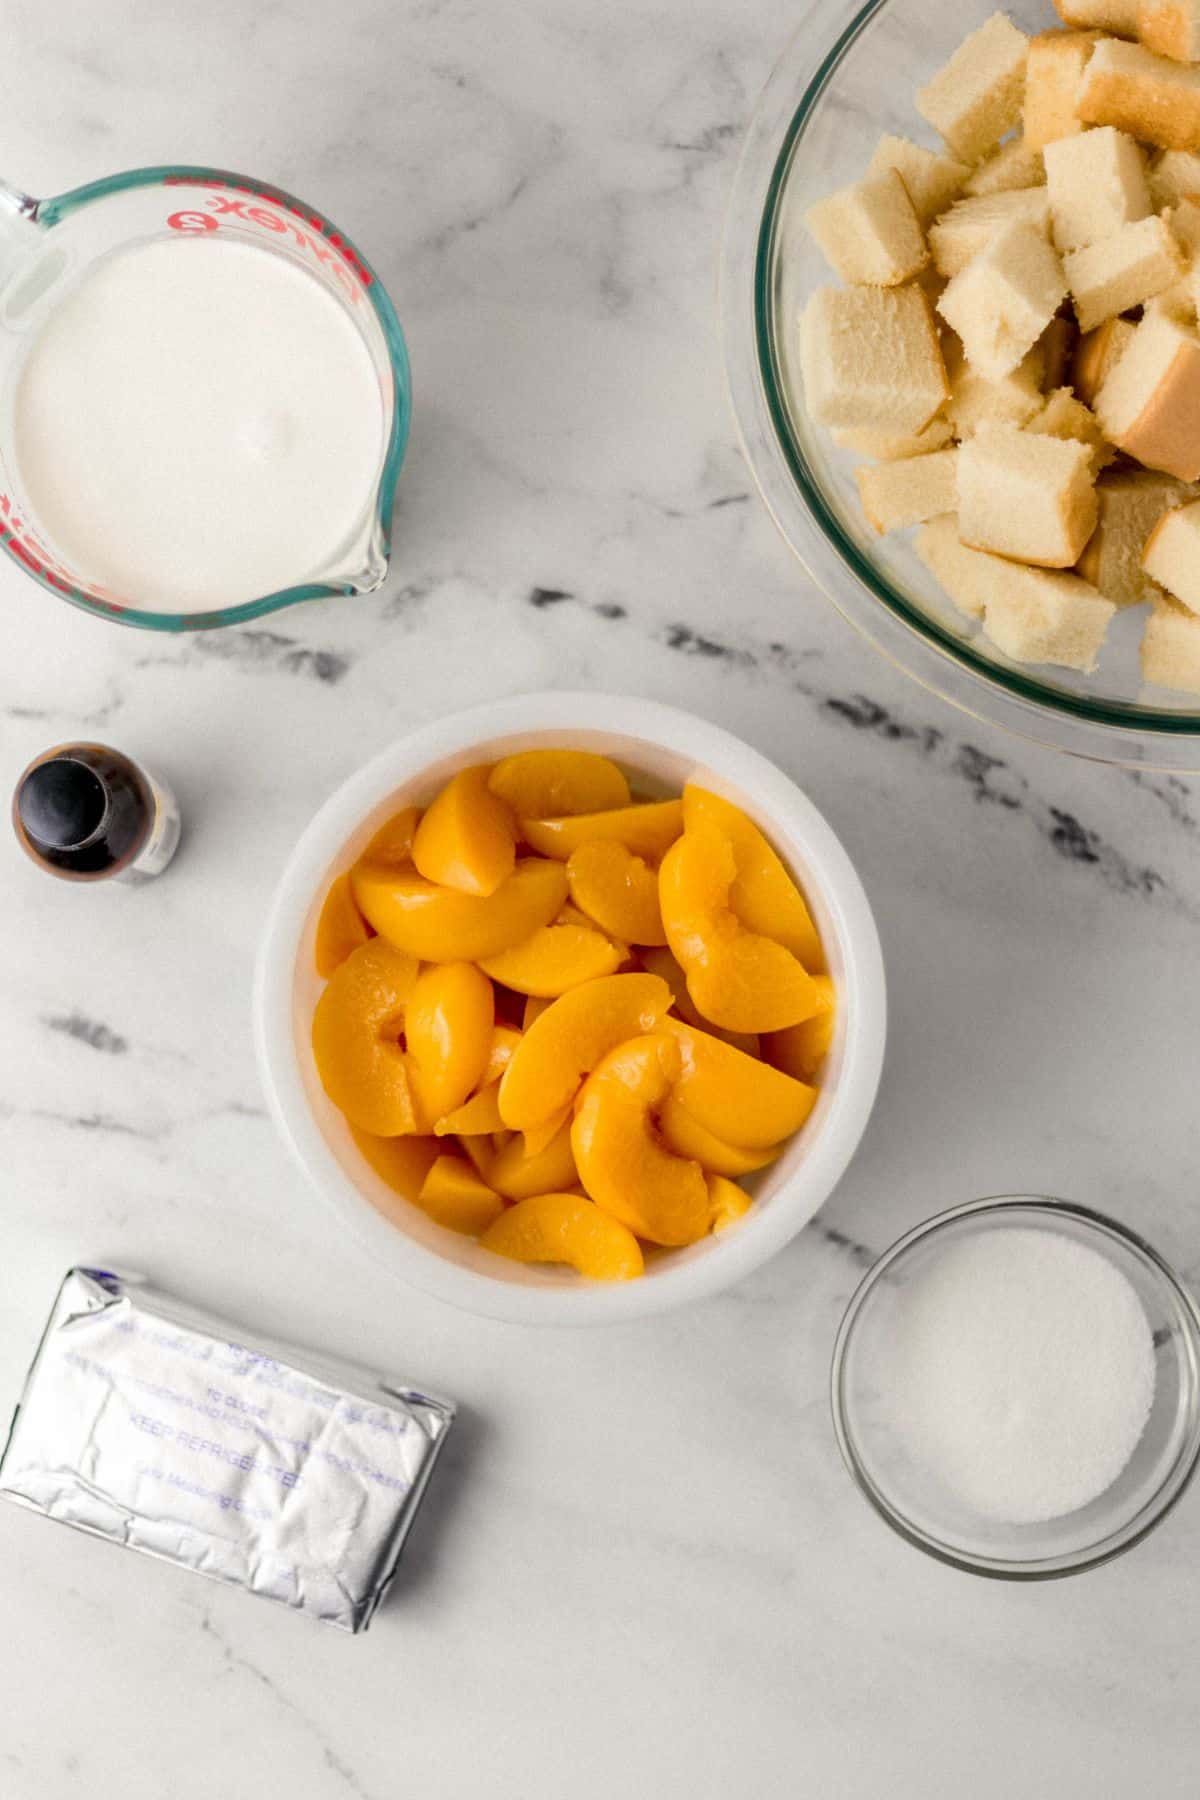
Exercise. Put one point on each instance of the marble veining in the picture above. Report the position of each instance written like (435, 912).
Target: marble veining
(643, 1569)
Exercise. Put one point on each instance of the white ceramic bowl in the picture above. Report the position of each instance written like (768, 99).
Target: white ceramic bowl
(665, 748)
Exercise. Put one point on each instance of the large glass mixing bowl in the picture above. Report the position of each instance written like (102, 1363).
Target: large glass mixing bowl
(830, 98)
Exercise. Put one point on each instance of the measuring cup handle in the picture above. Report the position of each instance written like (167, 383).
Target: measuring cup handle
(18, 226)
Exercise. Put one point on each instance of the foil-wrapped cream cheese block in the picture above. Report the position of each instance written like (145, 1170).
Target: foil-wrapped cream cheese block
(294, 1475)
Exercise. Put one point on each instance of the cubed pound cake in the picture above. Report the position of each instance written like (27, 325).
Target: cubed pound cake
(1149, 404)
(1015, 165)
(1026, 495)
(970, 225)
(1096, 356)
(932, 181)
(1095, 183)
(1004, 299)
(885, 446)
(897, 494)
(1171, 648)
(1130, 504)
(1056, 63)
(1172, 554)
(1063, 416)
(869, 232)
(871, 357)
(975, 401)
(1122, 271)
(1170, 28)
(1117, 16)
(975, 100)
(1174, 175)
(1151, 97)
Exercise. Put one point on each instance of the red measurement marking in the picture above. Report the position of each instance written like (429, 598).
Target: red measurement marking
(268, 213)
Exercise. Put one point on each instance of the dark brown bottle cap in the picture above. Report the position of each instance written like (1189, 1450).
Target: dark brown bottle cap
(62, 803)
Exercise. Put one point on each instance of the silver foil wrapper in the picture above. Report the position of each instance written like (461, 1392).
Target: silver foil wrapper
(293, 1475)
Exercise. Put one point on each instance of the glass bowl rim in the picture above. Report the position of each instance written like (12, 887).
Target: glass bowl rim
(1107, 730)
(1097, 1224)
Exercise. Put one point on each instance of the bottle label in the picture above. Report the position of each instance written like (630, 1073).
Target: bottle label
(162, 840)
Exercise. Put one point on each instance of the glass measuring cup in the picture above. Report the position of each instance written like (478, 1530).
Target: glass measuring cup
(47, 246)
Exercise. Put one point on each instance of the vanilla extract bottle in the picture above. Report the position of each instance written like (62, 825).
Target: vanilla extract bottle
(86, 812)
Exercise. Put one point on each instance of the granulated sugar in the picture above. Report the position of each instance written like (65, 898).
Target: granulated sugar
(1022, 1373)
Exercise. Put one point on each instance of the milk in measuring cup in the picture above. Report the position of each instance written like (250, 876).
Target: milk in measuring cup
(197, 424)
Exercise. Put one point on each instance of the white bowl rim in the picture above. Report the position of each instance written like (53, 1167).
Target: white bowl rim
(684, 734)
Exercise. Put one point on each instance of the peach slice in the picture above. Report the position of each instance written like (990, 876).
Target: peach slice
(546, 783)
(801, 1049)
(622, 1162)
(448, 1031)
(683, 1133)
(535, 1006)
(739, 1100)
(454, 1195)
(505, 1039)
(538, 1136)
(467, 839)
(571, 1037)
(341, 928)
(402, 1162)
(661, 962)
(438, 924)
(517, 1175)
(356, 1039)
(646, 830)
(764, 896)
(729, 1202)
(554, 959)
(477, 1117)
(566, 1228)
(392, 843)
(480, 1150)
(616, 889)
(737, 979)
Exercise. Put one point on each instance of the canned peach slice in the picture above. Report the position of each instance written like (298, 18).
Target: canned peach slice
(683, 1133)
(738, 1099)
(516, 1172)
(448, 1031)
(801, 1049)
(467, 838)
(477, 1117)
(457, 1197)
(729, 1202)
(646, 830)
(618, 890)
(356, 1039)
(566, 1228)
(763, 895)
(571, 1037)
(622, 1161)
(541, 784)
(341, 928)
(438, 924)
(554, 959)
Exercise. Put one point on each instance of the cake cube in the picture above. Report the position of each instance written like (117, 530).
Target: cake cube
(1004, 299)
(1057, 60)
(1151, 97)
(975, 401)
(1039, 617)
(1057, 345)
(1170, 28)
(1026, 496)
(970, 225)
(1118, 16)
(1096, 183)
(1122, 271)
(896, 494)
(1130, 504)
(1172, 554)
(1097, 354)
(885, 446)
(1171, 648)
(870, 357)
(869, 232)
(976, 98)
(932, 181)
(968, 577)
(1174, 175)
(1149, 404)
(1063, 416)
(1016, 164)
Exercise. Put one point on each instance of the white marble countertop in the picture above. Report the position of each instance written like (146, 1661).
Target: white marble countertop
(643, 1570)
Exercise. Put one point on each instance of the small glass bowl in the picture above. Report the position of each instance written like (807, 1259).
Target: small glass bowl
(910, 1498)
(842, 82)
